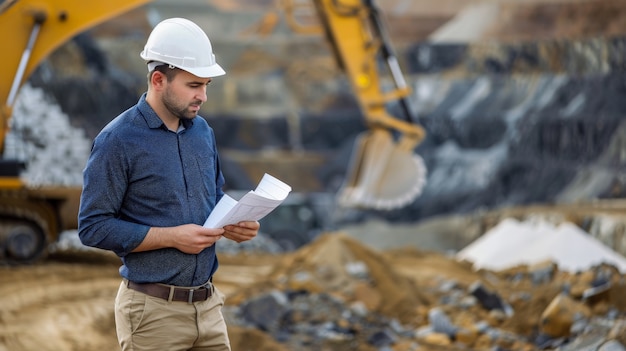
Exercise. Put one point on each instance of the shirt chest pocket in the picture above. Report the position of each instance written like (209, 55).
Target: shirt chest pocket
(207, 173)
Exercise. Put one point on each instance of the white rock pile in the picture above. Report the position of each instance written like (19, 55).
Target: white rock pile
(513, 243)
(41, 135)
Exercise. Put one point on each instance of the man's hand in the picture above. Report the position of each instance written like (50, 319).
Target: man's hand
(242, 231)
(188, 238)
(192, 238)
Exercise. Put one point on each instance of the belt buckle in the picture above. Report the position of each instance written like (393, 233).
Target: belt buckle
(190, 298)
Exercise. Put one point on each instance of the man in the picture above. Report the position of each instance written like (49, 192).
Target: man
(151, 181)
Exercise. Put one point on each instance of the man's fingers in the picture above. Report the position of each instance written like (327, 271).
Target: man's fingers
(249, 224)
(213, 232)
(243, 227)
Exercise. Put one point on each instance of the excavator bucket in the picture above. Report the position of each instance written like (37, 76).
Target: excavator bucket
(383, 174)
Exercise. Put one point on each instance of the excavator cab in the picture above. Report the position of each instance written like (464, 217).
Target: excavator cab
(384, 173)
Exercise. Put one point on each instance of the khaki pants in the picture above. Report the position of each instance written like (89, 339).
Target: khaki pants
(149, 323)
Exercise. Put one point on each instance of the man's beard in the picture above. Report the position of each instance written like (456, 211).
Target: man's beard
(179, 110)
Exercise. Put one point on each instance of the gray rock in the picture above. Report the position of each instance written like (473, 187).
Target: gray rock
(489, 300)
(588, 342)
(382, 338)
(266, 311)
(441, 323)
(612, 345)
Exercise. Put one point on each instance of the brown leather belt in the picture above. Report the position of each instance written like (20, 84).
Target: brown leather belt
(174, 293)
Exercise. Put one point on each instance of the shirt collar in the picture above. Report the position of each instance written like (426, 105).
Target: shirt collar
(152, 119)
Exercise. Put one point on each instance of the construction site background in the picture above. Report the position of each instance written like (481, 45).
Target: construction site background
(523, 104)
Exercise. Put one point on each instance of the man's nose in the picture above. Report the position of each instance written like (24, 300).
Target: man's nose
(201, 93)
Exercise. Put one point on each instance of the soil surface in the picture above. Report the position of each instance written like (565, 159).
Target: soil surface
(66, 302)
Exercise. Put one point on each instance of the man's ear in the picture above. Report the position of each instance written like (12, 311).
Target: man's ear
(157, 80)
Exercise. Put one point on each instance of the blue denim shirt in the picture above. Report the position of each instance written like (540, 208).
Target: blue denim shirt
(141, 175)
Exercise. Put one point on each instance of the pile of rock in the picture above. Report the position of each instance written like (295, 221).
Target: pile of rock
(337, 294)
(514, 242)
(40, 135)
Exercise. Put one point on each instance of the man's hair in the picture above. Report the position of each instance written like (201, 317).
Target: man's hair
(169, 73)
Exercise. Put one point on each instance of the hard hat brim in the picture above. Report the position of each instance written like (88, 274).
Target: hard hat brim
(206, 72)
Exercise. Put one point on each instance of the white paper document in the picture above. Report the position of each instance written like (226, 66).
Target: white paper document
(254, 205)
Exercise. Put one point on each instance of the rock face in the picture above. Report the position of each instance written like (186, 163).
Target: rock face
(519, 124)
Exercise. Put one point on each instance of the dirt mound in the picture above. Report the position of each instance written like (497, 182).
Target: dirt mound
(338, 264)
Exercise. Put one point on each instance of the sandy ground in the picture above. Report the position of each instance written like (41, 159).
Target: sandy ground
(61, 304)
(66, 302)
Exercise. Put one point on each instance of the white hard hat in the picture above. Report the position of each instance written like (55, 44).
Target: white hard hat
(181, 43)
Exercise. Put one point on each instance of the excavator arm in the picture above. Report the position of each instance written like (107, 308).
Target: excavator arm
(384, 172)
(33, 29)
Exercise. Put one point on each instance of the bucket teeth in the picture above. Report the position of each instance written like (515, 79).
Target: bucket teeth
(383, 174)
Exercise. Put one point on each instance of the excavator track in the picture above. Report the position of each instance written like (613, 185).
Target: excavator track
(27, 225)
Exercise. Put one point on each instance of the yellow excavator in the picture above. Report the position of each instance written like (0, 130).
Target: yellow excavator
(384, 172)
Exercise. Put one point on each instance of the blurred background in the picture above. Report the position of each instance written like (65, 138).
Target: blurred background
(522, 102)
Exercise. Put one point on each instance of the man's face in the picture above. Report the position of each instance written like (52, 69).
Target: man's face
(184, 95)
